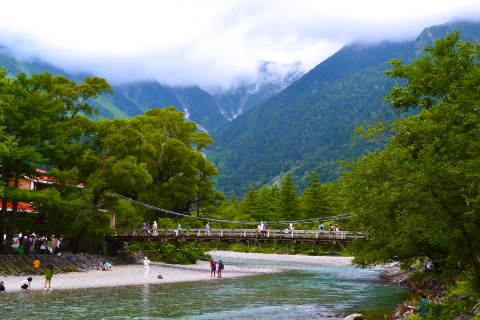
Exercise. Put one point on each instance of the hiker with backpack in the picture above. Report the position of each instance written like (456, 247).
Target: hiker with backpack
(220, 268)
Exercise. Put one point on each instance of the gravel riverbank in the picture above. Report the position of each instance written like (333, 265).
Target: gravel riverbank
(133, 274)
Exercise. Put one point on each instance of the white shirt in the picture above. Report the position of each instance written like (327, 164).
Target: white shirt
(25, 282)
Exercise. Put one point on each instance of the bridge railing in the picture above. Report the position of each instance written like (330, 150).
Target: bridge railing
(239, 233)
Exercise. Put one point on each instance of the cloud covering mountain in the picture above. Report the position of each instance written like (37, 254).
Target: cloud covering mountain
(207, 43)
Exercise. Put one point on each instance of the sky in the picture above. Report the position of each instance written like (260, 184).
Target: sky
(209, 43)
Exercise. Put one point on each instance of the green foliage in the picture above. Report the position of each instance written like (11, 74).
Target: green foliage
(309, 126)
(40, 112)
(155, 158)
(419, 196)
(127, 216)
(287, 200)
(175, 253)
(465, 285)
(318, 199)
(450, 309)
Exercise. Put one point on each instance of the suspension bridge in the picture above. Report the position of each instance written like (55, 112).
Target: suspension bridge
(236, 235)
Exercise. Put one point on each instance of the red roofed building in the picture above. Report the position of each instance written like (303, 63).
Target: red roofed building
(38, 183)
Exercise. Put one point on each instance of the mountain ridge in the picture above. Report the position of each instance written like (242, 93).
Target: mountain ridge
(137, 97)
(306, 126)
(309, 126)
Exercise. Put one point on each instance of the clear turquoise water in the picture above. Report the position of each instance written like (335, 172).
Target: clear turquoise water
(304, 292)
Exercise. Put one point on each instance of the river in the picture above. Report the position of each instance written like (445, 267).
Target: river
(300, 292)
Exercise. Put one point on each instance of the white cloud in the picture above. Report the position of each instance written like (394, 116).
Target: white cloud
(209, 43)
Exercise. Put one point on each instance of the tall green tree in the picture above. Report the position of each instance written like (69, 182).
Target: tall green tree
(249, 204)
(181, 175)
(268, 198)
(288, 204)
(420, 197)
(315, 201)
(38, 121)
(108, 166)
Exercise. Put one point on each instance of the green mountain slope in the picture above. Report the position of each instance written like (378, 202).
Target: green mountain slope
(310, 125)
(133, 99)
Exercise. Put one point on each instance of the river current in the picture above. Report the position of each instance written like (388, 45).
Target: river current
(300, 292)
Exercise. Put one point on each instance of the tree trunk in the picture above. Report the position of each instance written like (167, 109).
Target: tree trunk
(13, 225)
(3, 224)
(465, 235)
(13, 218)
(471, 256)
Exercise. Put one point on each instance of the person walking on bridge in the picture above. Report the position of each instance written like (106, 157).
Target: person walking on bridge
(145, 228)
(177, 231)
(208, 232)
(154, 228)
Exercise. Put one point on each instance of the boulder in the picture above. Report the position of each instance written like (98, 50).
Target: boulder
(354, 316)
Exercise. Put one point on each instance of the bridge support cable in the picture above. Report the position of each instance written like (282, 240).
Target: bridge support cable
(314, 220)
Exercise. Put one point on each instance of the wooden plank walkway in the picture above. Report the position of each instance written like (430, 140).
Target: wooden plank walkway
(237, 235)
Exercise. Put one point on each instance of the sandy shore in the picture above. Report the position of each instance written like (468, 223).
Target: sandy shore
(134, 274)
(316, 260)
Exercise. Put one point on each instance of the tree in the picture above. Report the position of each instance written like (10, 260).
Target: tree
(173, 153)
(107, 166)
(419, 197)
(315, 201)
(229, 210)
(249, 204)
(288, 201)
(267, 204)
(38, 123)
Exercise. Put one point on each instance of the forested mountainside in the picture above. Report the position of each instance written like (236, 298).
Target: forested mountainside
(132, 99)
(310, 125)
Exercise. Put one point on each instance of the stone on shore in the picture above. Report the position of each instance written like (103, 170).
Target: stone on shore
(354, 316)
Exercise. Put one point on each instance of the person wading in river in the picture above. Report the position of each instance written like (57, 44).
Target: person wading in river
(48, 277)
(213, 268)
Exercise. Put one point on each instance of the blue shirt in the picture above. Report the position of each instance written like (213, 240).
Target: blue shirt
(424, 306)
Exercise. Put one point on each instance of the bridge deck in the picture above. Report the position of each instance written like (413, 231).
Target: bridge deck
(236, 235)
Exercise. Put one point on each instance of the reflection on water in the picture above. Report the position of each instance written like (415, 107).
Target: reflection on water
(303, 292)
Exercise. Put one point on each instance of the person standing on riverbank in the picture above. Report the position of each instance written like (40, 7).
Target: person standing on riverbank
(36, 265)
(48, 277)
(21, 250)
(213, 268)
(146, 264)
(2, 287)
(220, 268)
